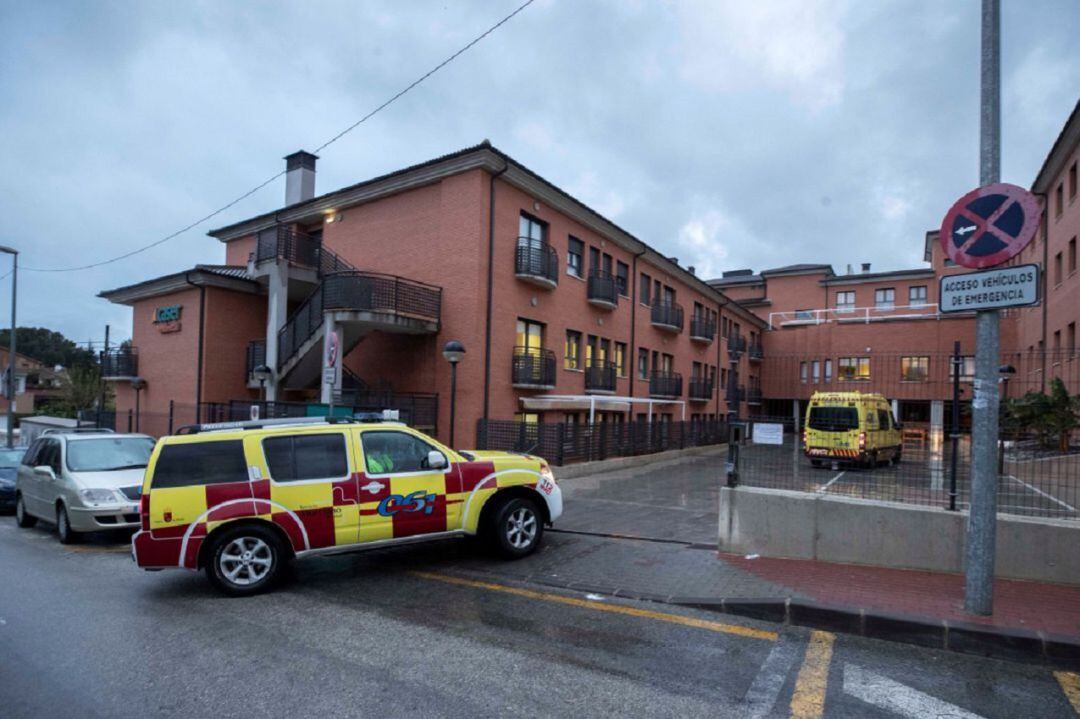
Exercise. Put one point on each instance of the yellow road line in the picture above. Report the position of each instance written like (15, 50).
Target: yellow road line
(1070, 684)
(611, 608)
(808, 700)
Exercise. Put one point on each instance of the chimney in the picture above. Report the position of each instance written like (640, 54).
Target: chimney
(849, 268)
(299, 177)
(865, 267)
(690, 269)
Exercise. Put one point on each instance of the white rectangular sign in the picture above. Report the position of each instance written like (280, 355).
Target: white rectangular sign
(329, 375)
(765, 433)
(990, 289)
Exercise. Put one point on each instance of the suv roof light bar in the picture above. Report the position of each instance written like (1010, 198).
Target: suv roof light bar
(79, 430)
(387, 415)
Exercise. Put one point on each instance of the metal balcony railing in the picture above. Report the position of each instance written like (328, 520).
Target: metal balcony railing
(533, 367)
(600, 376)
(702, 328)
(665, 384)
(120, 363)
(298, 248)
(700, 388)
(736, 345)
(859, 315)
(753, 395)
(735, 394)
(256, 355)
(602, 289)
(755, 351)
(537, 262)
(668, 316)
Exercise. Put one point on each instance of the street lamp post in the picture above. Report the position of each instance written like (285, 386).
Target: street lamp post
(454, 352)
(11, 347)
(138, 384)
(263, 374)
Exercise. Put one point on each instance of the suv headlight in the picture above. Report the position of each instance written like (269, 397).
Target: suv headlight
(7, 481)
(97, 497)
(545, 473)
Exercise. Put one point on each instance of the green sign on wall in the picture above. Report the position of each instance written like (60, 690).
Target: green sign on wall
(167, 314)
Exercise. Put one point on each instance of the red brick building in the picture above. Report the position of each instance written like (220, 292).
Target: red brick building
(561, 311)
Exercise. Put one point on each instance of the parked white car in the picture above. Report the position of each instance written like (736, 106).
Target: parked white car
(83, 481)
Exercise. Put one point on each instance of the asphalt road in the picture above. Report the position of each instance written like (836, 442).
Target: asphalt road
(408, 632)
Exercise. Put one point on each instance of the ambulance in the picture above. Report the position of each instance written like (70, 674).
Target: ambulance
(241, 499)
(851, 427)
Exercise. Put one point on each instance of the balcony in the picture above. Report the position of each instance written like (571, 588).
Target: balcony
(600, 377)
(665, 384)
(533, 368)
(849, 314)
(667, 316)
(537, 263)
(736, 345)
(602, 290)
(735, 394)
(755, 351)
(285, 243)
(700, 389)
(702, 329)
(753, 395)
(121, 363)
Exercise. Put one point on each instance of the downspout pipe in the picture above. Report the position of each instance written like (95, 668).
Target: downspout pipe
(199, 359)
(633, 351)
(490, 286)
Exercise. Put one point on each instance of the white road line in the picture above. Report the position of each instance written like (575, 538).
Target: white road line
(763, 692)
(898, 698)
(828, 484)
(1036, 490)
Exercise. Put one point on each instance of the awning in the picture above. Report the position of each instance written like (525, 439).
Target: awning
(593, 403)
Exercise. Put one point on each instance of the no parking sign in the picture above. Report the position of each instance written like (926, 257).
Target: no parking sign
(990, 225)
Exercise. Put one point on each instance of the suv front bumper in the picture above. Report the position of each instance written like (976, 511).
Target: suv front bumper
(98, 519)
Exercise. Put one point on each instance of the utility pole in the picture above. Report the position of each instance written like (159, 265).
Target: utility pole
(982, 518)
(104, 364)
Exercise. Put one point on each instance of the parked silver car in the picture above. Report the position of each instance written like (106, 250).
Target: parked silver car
(84, 481)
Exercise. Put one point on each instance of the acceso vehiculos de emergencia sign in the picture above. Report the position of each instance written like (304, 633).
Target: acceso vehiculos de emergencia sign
(990, 289)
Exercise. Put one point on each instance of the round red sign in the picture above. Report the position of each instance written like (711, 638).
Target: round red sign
(990, 225)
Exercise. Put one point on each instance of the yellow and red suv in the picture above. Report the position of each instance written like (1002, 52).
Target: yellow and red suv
(851, 427)
(240, 499)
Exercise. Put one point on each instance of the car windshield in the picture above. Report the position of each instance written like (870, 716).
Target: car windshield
(108, 454)
(11, 457)
(834, 419)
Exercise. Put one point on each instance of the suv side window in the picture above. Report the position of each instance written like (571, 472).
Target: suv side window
(388, 451)
(186, 465)
(30, 457)
(293, 458)
(49, 455)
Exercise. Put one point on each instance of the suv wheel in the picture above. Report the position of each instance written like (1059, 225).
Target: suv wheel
(517, 527)
(245, 560)
(23, 519)
(63, 526)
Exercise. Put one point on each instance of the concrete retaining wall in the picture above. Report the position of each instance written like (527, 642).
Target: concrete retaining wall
(798, 525)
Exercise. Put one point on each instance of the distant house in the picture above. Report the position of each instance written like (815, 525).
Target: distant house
(36, 384)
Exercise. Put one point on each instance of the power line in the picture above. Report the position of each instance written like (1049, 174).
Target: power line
(323, 146)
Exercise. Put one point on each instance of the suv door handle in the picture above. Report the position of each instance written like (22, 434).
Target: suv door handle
(373, 486)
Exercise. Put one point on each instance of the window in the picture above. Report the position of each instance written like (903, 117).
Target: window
(575, 255)
(917, 295)
(642, 363)
(1072, 181)
(854, 369)
(828, 371)
(723, 378)
(622, 278)
(529, 417)
(1059, 195)
(885, 298)
(845, 301)
(107, 454)
(815, 371)
(605, 264)
(724, 327)
(695, 370)
(669, 296)
(388, 451)
(802, 372)
(668, 363)
(1070, 338)
(833, 419)
(596, 348)
(530, 335)
(293, 458)
(883, 419)
(1057, 269)
(967, 367)
(594, 259)
(644, 282)
(531, 230)
(1072, 256)
(573, 350)
(656, 291)
(803, 315)
(914, 369)
(620, 359)
(1057, 341)
(185, 465)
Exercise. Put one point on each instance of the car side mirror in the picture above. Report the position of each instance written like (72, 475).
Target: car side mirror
(45, 470)
(436, 460)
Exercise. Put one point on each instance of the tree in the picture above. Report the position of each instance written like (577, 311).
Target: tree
(80, 390)
(47, 346)
(1052, 417)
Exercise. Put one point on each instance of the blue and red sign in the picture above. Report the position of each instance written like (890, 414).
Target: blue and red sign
(990, 225)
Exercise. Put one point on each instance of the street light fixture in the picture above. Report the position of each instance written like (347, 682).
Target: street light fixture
(11, 347)
(262, 374)
(138, 384)
(454, 352)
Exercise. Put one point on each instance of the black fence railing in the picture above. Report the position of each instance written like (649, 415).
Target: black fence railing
(536, 260)
(286, 243)
(700, 388)
(736, 345)
(753, 395)
(120, 362)
(256, 355)
(533, 367)
(755, 351)
(301, 326)
(665, 384)
(562, 443)
(602, 288)
(735, 394)
(667, 315)
(702, 328)
(600, 376)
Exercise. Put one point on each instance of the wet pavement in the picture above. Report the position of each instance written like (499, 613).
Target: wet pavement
(439, 630)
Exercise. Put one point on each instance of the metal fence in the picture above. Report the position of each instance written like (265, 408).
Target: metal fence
(565, 442)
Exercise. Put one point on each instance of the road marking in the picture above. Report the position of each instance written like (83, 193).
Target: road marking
(828, 484)
(1070, 684)
(898, 698)
(1036, 490)
(611, 608)
(808, 700)
(761, 696)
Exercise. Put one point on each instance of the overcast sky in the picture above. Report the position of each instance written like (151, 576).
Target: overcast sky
(729, 133)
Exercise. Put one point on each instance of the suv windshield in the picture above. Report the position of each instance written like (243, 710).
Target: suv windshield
(834, 419)
(108, 454)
